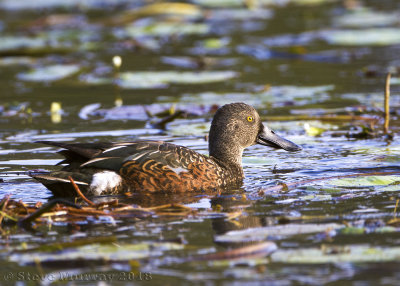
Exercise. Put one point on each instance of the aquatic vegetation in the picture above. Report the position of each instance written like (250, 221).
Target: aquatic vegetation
(49, 73)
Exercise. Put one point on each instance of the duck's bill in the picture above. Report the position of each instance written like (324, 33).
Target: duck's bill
(269, 138)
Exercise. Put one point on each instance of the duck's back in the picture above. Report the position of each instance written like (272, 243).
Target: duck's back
(150, 166)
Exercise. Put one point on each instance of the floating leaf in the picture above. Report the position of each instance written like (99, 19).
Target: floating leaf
(49, 4)
(179, 127)
(275, 94)
(239, 14)
(367, 37)
(163, 78)
(337, 254)
(262, 233)
(368, 181)
(172, 9)
(49, 73)
(306, 2)
(252, 5)
(305, 198)
(393, 188)
(316, 198)
(220, 3)
(29, 46)
(374, 99)
(9, 61)
(167, 29)
(16, 43)
(251, 251)
(392, 150)
(395, 81)
(110, 252)
(363, 18)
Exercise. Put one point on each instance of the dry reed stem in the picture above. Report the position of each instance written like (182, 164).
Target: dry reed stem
(78, 191)
(387, 104)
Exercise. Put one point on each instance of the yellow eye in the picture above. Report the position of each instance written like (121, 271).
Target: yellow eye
(250, 118)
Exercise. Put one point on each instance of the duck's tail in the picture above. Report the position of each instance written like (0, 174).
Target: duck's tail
(59, 184)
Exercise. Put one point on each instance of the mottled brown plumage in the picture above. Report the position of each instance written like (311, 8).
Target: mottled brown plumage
(155, 166)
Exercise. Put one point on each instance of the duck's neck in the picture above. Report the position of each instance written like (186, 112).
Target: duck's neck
(227, 154)
(230, 166)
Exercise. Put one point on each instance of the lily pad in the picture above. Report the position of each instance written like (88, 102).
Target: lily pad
(10, 61)
(163, 78)
(275, 94)
(367, 37)
(48, 4)
(109, 252)
(369, 181)
(263, 233)
(240, 14)
(146, 112)
(220, 3)
(168, 8)
(10, 45)
(197, 63)
(374, 99)
(167, 29)
(337, 254)
(395, 81)
(364, 18)
(241, 3)
(49, 73)
(185, 127)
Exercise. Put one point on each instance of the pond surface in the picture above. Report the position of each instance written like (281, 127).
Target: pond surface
(315, 71)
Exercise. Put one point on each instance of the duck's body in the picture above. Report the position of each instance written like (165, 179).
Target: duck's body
(148, 166)
(154, 166)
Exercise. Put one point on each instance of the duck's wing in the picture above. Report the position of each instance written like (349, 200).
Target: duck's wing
(145, 154)
(140, 166)
(78, 153)
(112, 156)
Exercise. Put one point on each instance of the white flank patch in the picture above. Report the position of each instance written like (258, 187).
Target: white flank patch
(103, 181)
(179, 170)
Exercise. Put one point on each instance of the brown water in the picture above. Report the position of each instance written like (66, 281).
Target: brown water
(287, 59)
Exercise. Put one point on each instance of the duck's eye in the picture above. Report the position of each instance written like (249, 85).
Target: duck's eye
(250, 118)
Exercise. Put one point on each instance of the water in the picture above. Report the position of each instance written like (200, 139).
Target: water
(292, 59)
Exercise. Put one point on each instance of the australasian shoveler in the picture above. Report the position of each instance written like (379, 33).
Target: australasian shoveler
(156, 166)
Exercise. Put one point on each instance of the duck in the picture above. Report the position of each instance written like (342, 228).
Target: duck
(107, 168)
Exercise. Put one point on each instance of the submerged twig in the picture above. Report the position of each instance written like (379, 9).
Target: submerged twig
(78, 191)
(46, 208)
(163, 122)
(387, 104)
(171, 209)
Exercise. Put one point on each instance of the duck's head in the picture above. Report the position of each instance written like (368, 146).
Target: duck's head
(236, 126)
